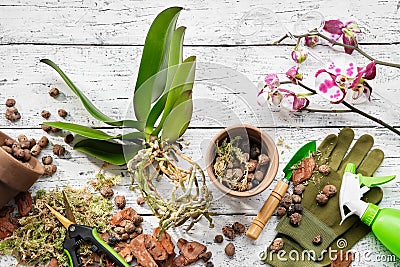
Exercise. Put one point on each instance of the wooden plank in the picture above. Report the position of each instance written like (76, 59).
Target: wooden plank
(225, 89)
(209, 22)
(77, 169)
(99, 44)
(248, 251)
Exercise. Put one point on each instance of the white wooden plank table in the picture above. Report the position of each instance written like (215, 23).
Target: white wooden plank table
(99, 44)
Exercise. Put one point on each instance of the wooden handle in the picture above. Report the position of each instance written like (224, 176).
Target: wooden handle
(267, 209)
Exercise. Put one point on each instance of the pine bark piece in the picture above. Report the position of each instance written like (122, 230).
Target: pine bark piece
(179, 261)
(126, 253)
(53, 263)
(304, 171)
(139, 251)
(24, 203)
(190, 250)
(165, 241)
(125, 214)
(155, 248)
(169, 262)
(6, 228)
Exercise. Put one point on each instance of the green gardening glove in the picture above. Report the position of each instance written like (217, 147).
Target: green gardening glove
(324, 220)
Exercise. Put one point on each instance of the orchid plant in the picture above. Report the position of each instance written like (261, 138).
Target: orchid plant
(341, 81)
(163, 108)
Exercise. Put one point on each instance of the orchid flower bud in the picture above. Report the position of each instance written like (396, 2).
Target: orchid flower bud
(352, 27)
(370, 71)
(311, 41)
(299, 55)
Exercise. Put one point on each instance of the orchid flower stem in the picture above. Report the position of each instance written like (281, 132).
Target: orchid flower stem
(356, 48)
(328, 110)
(352, 109)
(359, 50)
(298, 43)
(281, 39)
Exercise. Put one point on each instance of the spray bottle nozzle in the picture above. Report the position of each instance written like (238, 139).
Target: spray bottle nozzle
(354, 186)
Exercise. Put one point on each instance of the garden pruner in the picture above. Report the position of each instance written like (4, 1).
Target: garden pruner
(77, 234)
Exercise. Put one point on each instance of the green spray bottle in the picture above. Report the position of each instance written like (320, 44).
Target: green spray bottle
(385, 222)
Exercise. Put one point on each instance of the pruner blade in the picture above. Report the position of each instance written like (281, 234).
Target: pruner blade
(68, 210)
(65, 222)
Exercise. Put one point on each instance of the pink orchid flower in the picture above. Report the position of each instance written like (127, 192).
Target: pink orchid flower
(294, 75)
(290, 101)
(342, 75)
(347, 31)
(272, 80)
(280, 97)
(359, 86)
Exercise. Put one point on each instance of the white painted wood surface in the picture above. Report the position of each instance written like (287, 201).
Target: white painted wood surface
(99, 43)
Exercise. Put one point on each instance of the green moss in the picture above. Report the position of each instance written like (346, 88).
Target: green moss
(40, 236)
(102, 181)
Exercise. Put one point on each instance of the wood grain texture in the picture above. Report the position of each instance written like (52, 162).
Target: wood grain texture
(99, 44)
(76, 169)
(225, 89)
(209, 22)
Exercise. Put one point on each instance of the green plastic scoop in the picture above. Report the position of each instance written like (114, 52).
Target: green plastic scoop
(301, 154)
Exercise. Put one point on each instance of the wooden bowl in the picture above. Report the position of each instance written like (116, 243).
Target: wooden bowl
(16, 177)
(255, 135)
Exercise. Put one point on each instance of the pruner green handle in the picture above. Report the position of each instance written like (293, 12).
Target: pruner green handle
(374, 181)
(78, 233)
(106, 249)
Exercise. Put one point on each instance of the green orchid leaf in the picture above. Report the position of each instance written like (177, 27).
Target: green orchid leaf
(155, 113)
(175, 54)
(176, 49)
(182, 82)
(113, 153)
(92, 109)
(154, 61)
(81, 130)
(92, 133)
(178, 119)
(186, 96)
(174, 59)
(131, 136)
